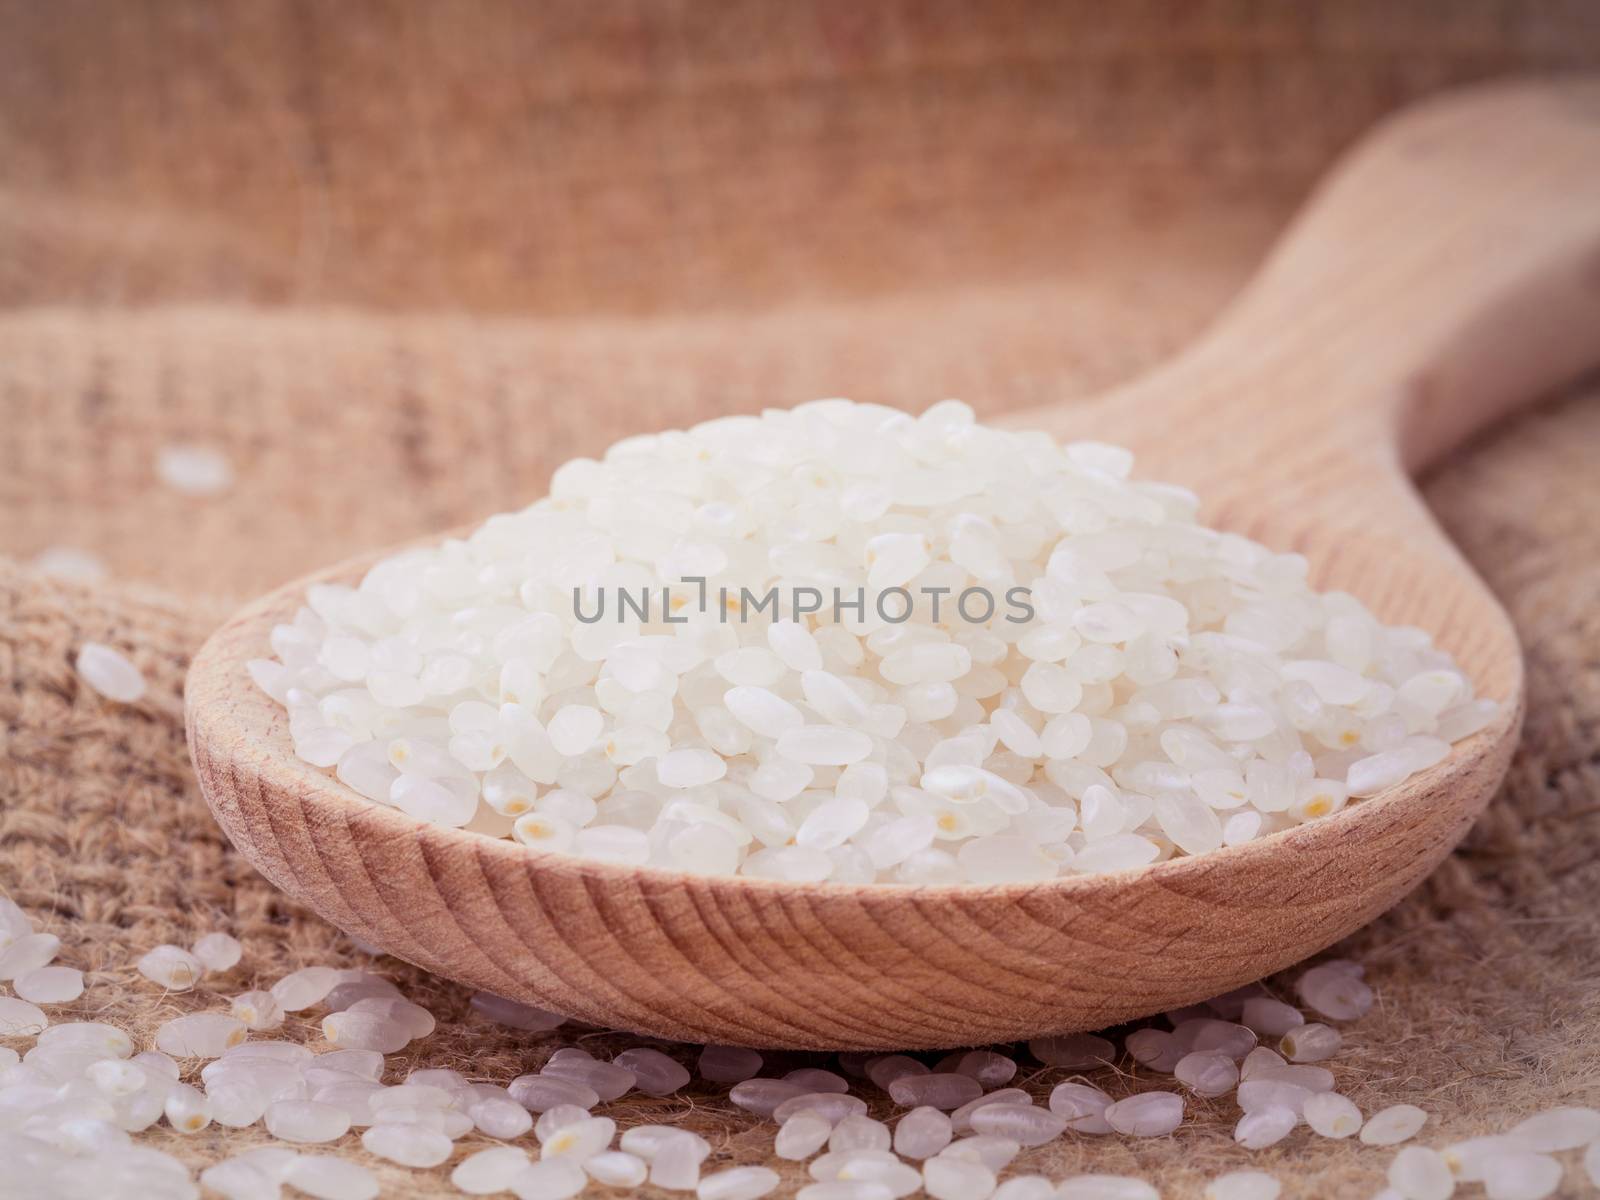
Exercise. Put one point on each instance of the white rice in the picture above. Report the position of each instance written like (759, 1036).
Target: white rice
(1107, 683)
(955, 1126)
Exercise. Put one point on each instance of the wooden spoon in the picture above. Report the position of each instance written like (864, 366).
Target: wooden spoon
(1447, 271)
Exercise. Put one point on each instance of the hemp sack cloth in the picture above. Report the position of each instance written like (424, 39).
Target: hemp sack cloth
(398, 261)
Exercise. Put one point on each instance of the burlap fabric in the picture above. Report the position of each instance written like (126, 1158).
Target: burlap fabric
(399, 261)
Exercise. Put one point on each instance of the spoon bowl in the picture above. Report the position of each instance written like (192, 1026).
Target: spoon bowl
(1446, 273)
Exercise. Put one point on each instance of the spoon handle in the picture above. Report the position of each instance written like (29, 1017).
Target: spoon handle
(1442, 276)
(1446, 273)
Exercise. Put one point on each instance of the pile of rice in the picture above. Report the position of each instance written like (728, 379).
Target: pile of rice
(843, 643)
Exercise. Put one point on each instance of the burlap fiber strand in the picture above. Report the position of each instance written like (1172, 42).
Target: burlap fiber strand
(241, 226)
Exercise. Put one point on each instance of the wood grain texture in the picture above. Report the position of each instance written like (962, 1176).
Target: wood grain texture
(1446, 273)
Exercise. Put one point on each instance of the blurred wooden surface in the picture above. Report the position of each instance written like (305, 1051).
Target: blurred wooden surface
(611, 156)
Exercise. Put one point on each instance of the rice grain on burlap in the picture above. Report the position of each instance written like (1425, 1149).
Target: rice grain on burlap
(677, 215)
